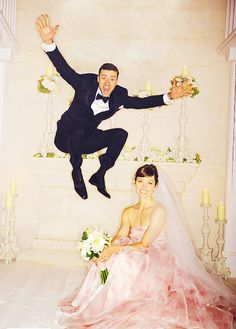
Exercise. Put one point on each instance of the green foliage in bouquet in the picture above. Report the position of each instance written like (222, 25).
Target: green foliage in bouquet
(48, 83)
(190, 83)
(41, 88)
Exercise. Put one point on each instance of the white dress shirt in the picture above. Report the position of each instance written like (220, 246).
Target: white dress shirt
(98, 105)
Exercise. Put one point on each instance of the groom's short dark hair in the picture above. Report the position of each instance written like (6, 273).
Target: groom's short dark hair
(109, 67)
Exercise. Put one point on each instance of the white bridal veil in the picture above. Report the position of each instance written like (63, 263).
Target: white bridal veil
(180, 242)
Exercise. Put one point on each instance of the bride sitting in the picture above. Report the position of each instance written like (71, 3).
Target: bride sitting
(155, 279)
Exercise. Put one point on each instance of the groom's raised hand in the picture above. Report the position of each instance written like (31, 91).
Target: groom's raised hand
(185, 89)
(46, 31)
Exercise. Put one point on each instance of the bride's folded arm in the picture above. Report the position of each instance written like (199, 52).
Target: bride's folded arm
(157, 223)
(123, 230)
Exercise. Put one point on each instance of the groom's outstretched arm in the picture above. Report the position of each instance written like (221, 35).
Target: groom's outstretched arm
(158, 100)
(47, 33)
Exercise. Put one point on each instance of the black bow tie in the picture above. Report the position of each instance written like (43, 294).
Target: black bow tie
(105, 99)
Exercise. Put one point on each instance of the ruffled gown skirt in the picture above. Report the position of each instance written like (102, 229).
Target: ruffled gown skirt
(145, 289)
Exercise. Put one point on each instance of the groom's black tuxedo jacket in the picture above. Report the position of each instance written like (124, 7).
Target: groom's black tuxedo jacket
(85, 86)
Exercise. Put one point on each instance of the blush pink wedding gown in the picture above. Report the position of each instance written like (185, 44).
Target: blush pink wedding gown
(145, 289)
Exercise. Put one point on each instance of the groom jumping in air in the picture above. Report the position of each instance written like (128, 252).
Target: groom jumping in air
(97, 97)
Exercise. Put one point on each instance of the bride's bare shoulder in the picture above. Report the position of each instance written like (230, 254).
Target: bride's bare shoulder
(158, 205)
(130, 208)
(159, 208)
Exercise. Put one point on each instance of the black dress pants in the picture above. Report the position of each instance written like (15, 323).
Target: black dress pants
(82, 140)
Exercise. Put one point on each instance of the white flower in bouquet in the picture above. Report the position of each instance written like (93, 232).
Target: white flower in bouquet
(92, 244)
(48, 82)
(84, 247)
(98, 244)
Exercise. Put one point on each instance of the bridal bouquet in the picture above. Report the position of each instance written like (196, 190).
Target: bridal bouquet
(92, 244)
(189, 82)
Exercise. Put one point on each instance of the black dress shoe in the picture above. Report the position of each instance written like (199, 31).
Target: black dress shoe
(98, 181)
(79, 185)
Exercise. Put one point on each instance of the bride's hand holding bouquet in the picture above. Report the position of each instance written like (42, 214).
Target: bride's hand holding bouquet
(106, 253)
(91, 246)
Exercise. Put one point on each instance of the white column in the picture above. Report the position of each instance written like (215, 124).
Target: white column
(2, 85)
(5, 55)
(8, 44)
(230, 227)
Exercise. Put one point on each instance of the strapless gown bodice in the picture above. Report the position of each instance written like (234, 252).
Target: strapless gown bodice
(136, 233)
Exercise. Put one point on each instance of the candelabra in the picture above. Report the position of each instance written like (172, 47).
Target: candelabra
(182, 150)
(144, 149)
(205, 252)
(47, 143)
(9, 244)
(220, 261)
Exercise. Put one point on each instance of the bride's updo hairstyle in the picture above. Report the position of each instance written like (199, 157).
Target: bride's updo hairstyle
(147, 170)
